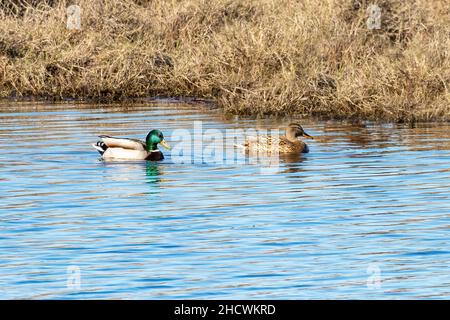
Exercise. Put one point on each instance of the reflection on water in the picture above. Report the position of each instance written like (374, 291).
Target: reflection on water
(153, 172)
(366, 199)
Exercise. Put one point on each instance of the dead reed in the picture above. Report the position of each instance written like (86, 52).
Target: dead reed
(253, 57)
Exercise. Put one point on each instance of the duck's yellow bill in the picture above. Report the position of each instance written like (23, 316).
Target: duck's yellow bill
(164, 144)
(307, 135)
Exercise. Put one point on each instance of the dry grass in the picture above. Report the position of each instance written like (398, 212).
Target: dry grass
(256, 57)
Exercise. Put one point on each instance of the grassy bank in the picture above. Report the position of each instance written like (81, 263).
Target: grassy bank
(308, 57)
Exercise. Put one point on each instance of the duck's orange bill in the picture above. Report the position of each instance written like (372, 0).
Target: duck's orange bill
(307, 135)
(164, 144)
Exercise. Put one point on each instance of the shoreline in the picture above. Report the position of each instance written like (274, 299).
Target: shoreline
(249, 58)
(209, 105)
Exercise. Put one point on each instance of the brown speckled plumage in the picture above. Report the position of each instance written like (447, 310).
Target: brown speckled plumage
(283, 144)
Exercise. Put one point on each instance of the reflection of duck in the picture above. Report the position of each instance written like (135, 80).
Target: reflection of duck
(284, 144)
(292, 162)
(291, 158)
(132, 149)
(152, 171)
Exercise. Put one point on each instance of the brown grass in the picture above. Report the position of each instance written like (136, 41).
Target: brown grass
(256, 57)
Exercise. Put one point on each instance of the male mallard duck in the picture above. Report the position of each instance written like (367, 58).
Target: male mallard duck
(132, 149)
(284, 144)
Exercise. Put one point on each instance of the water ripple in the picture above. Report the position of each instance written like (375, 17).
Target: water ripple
(368, 197)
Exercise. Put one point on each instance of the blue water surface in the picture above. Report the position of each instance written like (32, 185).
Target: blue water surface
(364, 215)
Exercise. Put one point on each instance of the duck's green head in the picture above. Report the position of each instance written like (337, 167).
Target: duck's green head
(153, 138)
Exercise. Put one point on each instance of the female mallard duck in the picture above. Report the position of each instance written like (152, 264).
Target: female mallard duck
(284, 144)
(132, 149)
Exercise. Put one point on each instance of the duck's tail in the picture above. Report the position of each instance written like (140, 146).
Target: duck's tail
(100, 146)
(241, 147)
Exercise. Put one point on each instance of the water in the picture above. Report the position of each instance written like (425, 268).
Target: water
(364, 215)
